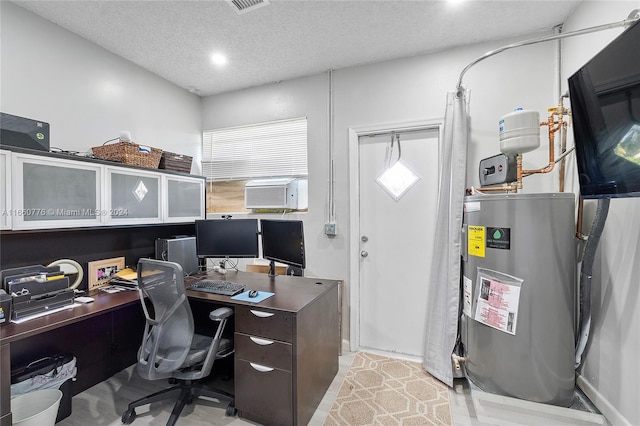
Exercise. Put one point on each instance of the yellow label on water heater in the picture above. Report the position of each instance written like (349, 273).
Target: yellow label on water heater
(476, 240)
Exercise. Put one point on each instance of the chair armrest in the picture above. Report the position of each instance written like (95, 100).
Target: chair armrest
(220, 314)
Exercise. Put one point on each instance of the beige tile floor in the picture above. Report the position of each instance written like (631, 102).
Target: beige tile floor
(104, 403)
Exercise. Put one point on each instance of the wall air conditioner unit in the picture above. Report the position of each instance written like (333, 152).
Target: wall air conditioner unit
(286, 193)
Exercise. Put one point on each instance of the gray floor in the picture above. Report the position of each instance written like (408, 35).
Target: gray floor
(104, 404)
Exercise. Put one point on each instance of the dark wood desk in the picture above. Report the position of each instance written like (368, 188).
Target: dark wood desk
(94, 333)
(287, 346)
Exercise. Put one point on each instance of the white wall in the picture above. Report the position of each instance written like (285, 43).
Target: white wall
(87, 94)
(414, 89)
(305, 97)
(394, 91)
(611, 358)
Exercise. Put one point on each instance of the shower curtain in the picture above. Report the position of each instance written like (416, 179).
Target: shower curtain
(444, 281)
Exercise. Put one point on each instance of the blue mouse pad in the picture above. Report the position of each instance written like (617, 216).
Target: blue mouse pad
(259, 298)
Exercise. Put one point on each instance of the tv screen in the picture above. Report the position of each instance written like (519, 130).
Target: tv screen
(283, 241)
(605, 107)
(222, 238)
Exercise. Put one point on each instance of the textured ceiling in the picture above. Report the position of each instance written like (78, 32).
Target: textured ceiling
(287, 39)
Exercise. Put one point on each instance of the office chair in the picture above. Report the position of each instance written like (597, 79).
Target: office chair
(170, 348)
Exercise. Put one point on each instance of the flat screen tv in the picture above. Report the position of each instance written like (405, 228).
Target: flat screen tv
(227, 238)
(283, 241)
(605, 107)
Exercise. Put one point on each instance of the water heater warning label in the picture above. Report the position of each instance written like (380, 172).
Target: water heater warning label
(476, 240)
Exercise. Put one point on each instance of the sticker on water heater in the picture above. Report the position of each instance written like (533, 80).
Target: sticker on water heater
(497, 304)
(467, 294)
(499, 238)
(476, 240)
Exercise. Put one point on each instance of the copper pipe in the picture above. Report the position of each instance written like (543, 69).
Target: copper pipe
(563, 149)
(506, 188)
(561, 112)
(552, 129)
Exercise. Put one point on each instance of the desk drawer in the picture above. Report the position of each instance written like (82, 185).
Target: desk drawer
(263, 351)
(264, 392)
(268, 324)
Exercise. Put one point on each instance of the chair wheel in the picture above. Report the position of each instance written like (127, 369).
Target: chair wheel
(231, 410)
(128, 416)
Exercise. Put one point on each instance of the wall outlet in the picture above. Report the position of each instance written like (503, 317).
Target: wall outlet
(330, 228)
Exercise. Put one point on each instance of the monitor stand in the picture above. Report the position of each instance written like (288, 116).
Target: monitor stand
(272, 268)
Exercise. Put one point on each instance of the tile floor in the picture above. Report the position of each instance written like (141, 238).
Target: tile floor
(104, 403)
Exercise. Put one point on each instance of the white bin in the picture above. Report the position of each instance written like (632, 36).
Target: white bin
(36, 408)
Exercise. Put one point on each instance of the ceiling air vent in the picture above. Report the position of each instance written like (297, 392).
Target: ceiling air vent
(244, 6)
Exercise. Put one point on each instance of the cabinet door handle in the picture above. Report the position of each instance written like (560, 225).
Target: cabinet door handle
(261, 342)
(261, 314)
(261, 368)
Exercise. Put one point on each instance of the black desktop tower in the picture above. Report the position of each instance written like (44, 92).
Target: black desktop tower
(181, 250)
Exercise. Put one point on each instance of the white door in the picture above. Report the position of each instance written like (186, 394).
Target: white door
(395, 241)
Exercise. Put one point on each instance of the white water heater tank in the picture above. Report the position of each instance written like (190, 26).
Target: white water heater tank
(519, 131)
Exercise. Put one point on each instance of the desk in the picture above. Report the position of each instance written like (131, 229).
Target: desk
(301, 320)
(87, 331)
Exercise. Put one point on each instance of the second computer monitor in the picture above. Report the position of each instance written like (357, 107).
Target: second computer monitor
(283, 241)
(227, 238)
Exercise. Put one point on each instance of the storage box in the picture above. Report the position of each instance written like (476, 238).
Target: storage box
(175, 162)
(129, 153)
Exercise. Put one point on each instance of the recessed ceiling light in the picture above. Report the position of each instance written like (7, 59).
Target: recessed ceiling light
(218, 59)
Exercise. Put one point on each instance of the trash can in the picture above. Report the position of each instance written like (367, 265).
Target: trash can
(54, 372)
(36, 408)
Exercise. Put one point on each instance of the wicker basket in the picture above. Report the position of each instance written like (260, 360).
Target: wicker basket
(175, 162)
(129, 153)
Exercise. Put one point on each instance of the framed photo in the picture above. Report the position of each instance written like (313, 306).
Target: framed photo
(101, 271)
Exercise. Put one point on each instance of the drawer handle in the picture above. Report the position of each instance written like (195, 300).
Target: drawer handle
(261, 314)
(261, 368)
(261, 342)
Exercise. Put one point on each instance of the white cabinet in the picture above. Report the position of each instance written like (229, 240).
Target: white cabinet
(132, 196)
(185, 199)
(50, 192)
(55, 193)
(5, 190)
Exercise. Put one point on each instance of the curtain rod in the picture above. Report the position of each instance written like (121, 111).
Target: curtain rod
(633, 16)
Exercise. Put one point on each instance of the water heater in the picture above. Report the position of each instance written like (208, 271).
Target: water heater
(519, 263)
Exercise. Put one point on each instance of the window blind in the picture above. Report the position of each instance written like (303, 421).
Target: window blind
(273, 149)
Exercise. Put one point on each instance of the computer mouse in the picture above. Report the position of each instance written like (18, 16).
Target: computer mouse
(253, 293)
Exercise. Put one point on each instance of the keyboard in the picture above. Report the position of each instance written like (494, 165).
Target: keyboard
(226, 288)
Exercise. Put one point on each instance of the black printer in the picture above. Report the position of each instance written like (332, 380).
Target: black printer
(24, 132)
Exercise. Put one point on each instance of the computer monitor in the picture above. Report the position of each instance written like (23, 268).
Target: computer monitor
(227, 238)
(283, 241)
